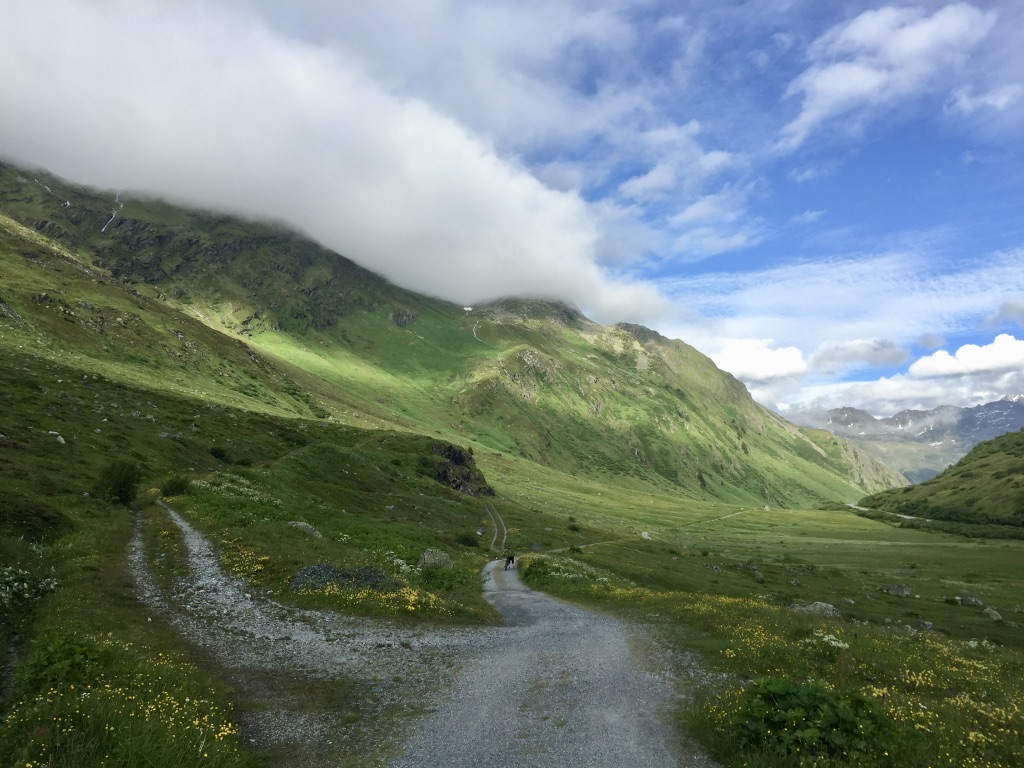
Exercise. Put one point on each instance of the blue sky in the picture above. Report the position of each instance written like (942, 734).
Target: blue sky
(827, 198)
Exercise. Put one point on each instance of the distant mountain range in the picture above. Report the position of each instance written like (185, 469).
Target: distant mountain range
(921, 444)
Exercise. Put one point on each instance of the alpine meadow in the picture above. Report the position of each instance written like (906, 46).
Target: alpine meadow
(179, 384)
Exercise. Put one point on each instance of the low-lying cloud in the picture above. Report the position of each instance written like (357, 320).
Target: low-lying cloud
(200, 104)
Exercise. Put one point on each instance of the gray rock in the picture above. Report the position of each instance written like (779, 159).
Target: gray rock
(758, 576)
(712, 567)
(817, 608)
(794, 582)
(966, 598)
(899, 590)
(925, 625)
(306, 527)
(993, 614)
(435, 558)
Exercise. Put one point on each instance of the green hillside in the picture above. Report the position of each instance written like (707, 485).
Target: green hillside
(251, 315)
(980, 495)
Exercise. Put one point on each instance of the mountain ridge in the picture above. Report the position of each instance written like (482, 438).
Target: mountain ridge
(292, 328)
(923, 443)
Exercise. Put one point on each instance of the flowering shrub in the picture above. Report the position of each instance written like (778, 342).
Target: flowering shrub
(806, 720)
(19, 591)
(235, 486)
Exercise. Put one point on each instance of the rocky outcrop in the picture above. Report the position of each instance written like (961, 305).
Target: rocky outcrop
(457, 469)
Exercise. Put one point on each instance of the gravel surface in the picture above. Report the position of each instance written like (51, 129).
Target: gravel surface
(556, 686)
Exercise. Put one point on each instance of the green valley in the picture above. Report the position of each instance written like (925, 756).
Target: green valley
(302, 413)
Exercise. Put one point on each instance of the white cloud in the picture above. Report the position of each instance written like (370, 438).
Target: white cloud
(199, 103)
(757, 360)
(879, 58)
(1005, 353)
(930, 341)
(1011, 310)
(964, 100)
(807, 217)
(893, 295)
(837, 356)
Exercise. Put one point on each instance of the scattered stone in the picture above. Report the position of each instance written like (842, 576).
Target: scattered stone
(817, 608)
(899, 590)
(794, 582)
(712, 567)
(435, 558)
(924, 625)
(993, 614)
(306, 527)
(758, 576)
(60, 439)
(849, 601)
(966, 598)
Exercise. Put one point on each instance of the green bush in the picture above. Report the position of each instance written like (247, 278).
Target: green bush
(176, 485)
(119, 481)
(450, 580)
(61, 659)
(809, 719)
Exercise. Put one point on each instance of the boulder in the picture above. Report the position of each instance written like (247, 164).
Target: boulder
(817, 608)
(924, 625)
(993, 614)
(435, 558)
(966, 598)
(899, 590)
(306, 527)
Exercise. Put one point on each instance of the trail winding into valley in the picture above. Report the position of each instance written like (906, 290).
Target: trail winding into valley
(556, 685)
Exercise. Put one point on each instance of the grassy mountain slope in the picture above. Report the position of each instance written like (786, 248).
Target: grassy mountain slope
(980, 495)
(251, 315)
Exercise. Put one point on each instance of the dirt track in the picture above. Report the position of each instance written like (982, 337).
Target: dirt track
(556, 686)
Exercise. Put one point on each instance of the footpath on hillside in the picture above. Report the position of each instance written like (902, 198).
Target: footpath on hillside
(556, 685)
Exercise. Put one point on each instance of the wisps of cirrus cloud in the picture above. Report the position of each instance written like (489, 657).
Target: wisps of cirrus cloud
(870, 63)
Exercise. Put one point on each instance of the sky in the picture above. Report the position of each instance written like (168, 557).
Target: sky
(826, 198)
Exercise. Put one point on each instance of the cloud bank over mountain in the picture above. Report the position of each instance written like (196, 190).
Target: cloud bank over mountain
(818, 198)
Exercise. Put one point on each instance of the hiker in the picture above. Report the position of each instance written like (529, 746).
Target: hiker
(508, 561)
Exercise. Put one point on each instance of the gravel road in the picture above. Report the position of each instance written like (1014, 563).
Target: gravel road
(556, 687)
